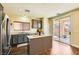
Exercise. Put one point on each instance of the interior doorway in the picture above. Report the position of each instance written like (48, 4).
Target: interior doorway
(62, 30)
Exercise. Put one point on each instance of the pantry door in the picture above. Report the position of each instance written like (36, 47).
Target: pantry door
(65, 30)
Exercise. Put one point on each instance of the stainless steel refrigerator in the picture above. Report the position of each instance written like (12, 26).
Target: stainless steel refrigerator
(4, 32)
(1, 17)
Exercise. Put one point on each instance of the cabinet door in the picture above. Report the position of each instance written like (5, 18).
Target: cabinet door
(15, 39)
(25, 38)
(20, 38)
(35, 46)
(47, 42)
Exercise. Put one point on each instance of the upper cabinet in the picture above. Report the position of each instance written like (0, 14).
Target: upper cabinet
(37, 24)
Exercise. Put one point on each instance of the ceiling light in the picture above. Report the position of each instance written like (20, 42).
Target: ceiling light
(26, 10)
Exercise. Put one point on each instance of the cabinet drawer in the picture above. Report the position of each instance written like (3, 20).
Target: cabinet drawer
(20, 38)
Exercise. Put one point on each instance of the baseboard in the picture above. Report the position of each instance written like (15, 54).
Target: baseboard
(77, 46)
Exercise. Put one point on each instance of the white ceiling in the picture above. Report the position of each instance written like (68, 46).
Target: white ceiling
(38, 9)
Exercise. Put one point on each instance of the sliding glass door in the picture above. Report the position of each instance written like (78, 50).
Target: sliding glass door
(56, 30)
(62, 30)
(65, 30)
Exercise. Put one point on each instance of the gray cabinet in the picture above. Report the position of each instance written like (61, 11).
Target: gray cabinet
(25, 38)
(18, 38)
(14, 38)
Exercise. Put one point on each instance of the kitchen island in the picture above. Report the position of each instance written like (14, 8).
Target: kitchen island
(39, 43)
(34, 43)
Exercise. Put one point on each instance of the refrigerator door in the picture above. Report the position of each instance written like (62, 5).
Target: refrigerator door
(6, 36)
(1, 17)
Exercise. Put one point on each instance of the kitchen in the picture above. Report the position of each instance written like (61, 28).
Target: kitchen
(23, 35)
(35, 38)
(39, 29)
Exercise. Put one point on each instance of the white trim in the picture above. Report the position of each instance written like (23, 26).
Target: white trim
(77, 46)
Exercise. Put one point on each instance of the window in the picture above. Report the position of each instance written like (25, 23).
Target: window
(21, 26)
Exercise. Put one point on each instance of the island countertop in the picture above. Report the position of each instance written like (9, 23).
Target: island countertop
(37, 36)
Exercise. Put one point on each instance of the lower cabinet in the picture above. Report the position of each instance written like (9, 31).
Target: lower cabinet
(14, 39)
(38, 45)
(19, 38)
